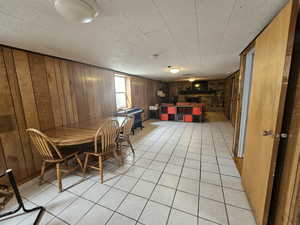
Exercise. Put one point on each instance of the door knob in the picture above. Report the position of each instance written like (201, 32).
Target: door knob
(267, 133)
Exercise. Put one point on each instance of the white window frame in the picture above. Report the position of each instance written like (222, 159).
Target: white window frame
(125, 92)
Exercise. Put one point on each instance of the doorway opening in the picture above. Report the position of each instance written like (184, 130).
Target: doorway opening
(245, 101)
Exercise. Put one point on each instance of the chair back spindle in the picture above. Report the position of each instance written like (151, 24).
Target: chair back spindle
(107, 134)
(128, 126)
(43, 145)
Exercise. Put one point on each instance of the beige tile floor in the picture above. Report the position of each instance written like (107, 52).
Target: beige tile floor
(181, 174)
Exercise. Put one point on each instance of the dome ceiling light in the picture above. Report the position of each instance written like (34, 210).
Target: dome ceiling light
(82, 11)
(173, 69)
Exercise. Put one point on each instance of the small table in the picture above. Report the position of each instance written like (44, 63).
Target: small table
(78, 133)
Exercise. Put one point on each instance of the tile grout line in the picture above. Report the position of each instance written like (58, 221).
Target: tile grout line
(226, 210)
(200, 180)
(187, 149)
(200, 175)
(81, 197)
(115, 210)
(149, 199)
(187, 131)
(138, 179)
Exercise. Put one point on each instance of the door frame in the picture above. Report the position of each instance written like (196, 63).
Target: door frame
(240, 88)
(245, 100)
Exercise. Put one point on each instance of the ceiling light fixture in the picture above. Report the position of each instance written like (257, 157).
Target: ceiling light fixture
(192, 79)
(82, 11)
(173, 69)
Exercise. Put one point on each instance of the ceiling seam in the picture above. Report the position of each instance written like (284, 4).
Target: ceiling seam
(227, 25)
(196, 7)
(170, 33)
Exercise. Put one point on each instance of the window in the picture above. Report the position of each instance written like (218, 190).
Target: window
(122, 100)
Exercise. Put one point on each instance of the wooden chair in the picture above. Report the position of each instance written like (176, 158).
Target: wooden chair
(105, 144)
(51, 154)
(5, 193)
(124, 136)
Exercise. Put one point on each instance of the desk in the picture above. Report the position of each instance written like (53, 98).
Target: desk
(78, 133)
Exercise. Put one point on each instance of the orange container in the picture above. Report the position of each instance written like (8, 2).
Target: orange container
(172, 110)
(164, 117)
(196, 111)
(187, 118)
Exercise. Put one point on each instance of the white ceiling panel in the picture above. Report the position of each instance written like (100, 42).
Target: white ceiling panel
(203, 37)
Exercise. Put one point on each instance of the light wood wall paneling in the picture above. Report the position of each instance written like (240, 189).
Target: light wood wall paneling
(99, 87)
(143, 93)
(67, 91)
(109, 97)
(9, 134)
(25, 84)
(60, 91)
(41, 91)
(27, 94)
(19, 112)
(90, 87)
(71, 73)
(53, 90)
(234, 98)
(78, 91)
(85, 92)
(96, 91)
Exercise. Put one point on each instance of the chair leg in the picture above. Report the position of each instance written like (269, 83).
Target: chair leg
(101, 169)
(129, 142)
(85, 163)
(121, 158)
(118, 158)
(42, 172)
(79, 162)
(58, 177)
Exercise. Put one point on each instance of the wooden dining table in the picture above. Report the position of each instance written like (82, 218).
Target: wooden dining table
(78, 133)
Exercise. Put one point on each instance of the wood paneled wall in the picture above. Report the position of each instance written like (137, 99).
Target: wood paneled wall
(229, 82)
(44, 92)
(214, 102)
(231, 97)
(144, 93)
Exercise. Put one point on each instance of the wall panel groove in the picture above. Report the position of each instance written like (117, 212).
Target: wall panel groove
(42, 92)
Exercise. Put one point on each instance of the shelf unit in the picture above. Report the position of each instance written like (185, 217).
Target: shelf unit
(183, 112)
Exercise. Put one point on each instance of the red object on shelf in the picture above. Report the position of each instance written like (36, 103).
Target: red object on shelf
(164, 117)
(187, 118)
(184, 104)
(172, 110)
(197, 111)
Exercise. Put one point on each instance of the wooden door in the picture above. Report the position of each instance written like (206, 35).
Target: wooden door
(273, 49)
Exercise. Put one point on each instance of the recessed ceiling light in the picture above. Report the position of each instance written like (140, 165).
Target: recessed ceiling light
(82, 11)
(173, 69)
